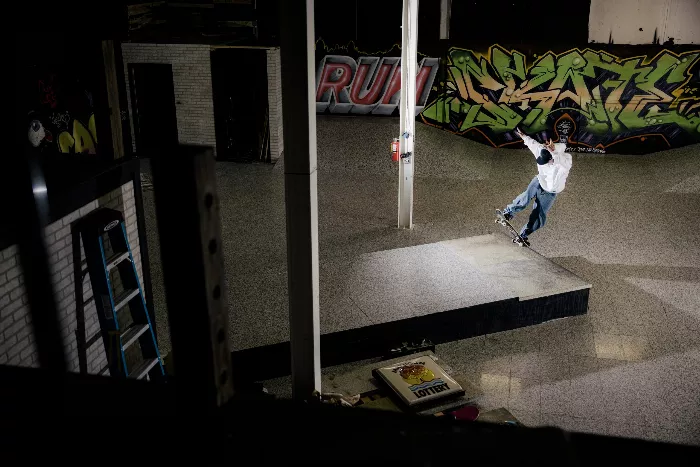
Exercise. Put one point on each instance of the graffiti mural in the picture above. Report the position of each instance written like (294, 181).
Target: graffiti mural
(587, 98)
(368, 85)
(62, 118)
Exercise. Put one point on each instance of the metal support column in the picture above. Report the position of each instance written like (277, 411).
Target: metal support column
(445, 14)
(409, 61)
(299, 114)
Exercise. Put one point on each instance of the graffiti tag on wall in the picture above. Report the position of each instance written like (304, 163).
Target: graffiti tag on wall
(368, 85)
(588, 98)
(73, 137)
(62, 119)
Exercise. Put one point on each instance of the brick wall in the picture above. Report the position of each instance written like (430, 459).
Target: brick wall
(17, 344)
(192, 82)
(274, 98)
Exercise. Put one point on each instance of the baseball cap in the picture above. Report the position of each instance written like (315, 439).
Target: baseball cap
(544, 157)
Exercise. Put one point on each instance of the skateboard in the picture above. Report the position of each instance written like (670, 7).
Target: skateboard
(500, 219)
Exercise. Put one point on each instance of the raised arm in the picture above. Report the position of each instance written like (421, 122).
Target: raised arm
(531, 144)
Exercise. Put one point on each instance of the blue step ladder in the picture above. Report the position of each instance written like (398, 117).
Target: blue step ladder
(116, 288)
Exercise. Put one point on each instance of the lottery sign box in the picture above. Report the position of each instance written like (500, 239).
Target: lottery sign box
(419, 380)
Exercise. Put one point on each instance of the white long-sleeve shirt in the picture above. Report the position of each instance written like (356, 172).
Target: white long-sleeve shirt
(552, 176)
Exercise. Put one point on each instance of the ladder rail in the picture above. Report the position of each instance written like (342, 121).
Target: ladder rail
(78, 278)
(143, 298)
(110, 293)
(80, 272)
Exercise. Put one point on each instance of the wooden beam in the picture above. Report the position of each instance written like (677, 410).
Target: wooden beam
(112, 86)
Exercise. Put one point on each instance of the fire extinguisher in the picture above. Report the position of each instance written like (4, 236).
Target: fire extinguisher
(395, 156)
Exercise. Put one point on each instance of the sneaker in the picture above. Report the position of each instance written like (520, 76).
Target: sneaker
(505, 214)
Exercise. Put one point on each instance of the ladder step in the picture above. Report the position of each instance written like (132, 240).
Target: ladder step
(124, 298)
(93, 339)
(115, 259)
(133, 333)
(143, 368)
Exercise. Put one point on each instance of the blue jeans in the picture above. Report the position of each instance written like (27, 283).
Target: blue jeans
(543, 201)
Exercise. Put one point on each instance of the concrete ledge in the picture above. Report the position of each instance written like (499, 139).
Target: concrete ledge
(442, 292)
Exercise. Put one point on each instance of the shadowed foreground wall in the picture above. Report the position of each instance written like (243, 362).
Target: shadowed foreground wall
(17, 344)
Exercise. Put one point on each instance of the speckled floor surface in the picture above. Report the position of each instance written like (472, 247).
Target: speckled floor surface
(625, 224)
(402, 283)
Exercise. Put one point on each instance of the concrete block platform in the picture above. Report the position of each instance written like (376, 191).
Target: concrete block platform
(441, 291)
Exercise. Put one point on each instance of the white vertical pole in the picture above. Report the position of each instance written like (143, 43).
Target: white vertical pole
(409, 59)
(300, 189)
(445, 13)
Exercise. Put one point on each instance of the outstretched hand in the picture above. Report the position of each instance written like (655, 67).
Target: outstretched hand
(549, 145)
(519, 133)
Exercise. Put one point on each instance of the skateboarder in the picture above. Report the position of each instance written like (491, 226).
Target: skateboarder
(553, 166)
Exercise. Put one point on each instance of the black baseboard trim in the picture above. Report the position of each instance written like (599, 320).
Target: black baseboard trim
(272, 361)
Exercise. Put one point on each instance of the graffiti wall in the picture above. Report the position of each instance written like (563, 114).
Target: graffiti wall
(62, 118)
(350, 81)
(592, 100)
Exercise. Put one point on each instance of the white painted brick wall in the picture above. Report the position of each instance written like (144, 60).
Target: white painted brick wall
(274, 98)
(17, 343)
(194, 104)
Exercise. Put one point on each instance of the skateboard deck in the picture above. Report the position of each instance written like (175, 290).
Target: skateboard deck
(500, 219)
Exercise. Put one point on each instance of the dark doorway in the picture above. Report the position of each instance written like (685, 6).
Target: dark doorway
(153, 107)
(239, 84)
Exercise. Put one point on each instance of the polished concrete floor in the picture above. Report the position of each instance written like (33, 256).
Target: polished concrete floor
(625, 224)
